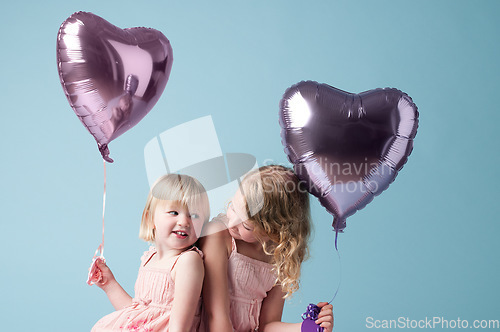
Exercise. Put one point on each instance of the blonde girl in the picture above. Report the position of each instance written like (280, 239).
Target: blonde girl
(168, 287)
(254, 263)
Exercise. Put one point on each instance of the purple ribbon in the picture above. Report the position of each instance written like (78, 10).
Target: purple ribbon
(309, 317)
(311, 312)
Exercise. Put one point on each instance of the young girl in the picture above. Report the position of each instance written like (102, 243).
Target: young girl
(254, 264)
(168, 287)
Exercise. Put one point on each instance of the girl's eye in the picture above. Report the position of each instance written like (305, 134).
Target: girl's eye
(173, 213)
(194, 216)
(246, 227)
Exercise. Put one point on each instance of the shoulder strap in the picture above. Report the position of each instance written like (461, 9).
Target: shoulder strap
(146, 257)
(193, 248)
(233, 245)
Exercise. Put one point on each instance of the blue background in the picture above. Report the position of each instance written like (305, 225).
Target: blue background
(426, 247)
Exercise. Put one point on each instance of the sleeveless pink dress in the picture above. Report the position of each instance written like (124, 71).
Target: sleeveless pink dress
(249, 281)
(150, 309)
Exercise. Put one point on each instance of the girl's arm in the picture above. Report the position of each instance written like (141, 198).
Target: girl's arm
(272, 310)
(215, 286)
(118, 297)
(188, 278)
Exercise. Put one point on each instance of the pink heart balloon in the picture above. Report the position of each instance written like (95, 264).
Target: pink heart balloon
(347, 147)
(111, 77)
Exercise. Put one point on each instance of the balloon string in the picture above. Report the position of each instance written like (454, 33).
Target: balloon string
(100, 250)
(340, 269)
(103, 210)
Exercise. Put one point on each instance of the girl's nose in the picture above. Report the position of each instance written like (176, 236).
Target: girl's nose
(184, 220)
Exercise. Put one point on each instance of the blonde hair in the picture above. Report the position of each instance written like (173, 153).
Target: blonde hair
(173, 187)
(278, 206)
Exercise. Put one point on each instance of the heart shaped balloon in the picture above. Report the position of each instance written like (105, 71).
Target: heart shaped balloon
(111, 77)
(347, 147)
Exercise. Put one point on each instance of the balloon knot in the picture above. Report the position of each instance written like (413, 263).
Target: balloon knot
(339, 224)
(312, 312)
(104, 152)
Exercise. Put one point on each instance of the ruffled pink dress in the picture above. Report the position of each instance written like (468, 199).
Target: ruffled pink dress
(249, 281)
(151, 307)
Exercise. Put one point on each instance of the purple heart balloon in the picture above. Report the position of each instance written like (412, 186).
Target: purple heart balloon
(111, 77)
(347, 147)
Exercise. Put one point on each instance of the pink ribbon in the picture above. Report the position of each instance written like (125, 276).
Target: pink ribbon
(94, 274)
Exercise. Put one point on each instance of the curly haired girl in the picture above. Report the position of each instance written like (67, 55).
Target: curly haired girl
(253, 264)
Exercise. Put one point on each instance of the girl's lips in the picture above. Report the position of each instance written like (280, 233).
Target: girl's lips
(180, 234)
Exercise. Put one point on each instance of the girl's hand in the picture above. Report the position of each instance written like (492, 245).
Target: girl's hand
(107, 276)
(325, 316)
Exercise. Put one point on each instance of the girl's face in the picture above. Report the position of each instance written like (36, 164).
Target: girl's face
(240, 227)
(177, 226)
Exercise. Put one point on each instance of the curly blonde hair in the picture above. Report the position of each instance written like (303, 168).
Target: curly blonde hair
(278, 204)
(172, 187)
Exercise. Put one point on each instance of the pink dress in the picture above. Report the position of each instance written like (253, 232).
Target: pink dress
(249, 281)
(150, 309)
